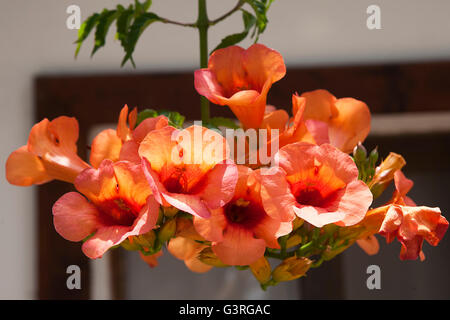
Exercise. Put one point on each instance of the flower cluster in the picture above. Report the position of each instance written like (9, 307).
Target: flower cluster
(152, 184)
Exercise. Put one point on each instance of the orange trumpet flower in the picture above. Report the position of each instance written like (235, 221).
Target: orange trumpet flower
(119, 205)
(400, 218)
(316, 183)
(345, 121)
(51, 153)
(241, 230)
(123, 143)
(189, 169)
(241, 79)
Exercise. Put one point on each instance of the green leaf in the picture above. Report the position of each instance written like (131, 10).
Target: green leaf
(144, 114)
(136, 29)
(249, 22)
(223, 122)
(105, 20)
(147, 4)
(123, 23)
(175, 118)
(85, 30)
(260, 7)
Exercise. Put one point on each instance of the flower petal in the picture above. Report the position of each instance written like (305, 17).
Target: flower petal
(370, 245)
(219, 184)
(351, 125)
(239, 247)
(98, 184)
(106, 145)
(74, 217)
(109, 236)
(131, 181)
(276, 195)
(24, 168)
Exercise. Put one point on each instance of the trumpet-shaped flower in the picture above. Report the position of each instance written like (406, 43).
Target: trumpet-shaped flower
(117, 204)
(188, 250)
(343, 122)
(51, 153)
(123, 143)
(241, 79)
(400, 218)
(316, 183)
(241, 230)
(189, 169)
(293, 129)
(411, 224)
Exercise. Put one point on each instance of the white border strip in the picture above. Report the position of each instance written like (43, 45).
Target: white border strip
(410, 123)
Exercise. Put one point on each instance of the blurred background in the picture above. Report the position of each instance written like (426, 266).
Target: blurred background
(401, 71)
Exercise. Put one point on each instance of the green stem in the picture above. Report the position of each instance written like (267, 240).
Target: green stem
(203, 25)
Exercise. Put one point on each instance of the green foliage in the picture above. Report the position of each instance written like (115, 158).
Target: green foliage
(132, 21)
(104, 21)
(175, 119)
(135, 30)
(130, 24)
(254, 23)
(260, 7)
(249, 22)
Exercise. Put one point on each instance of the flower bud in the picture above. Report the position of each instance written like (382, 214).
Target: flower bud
(291, 268)
(297, 223)
(373, 156)
(330, 252)
(359, 153)
(186, 229)
(146, 240)
(167, 231)
(385, 171)
(261, 270)
(293, 240)
(130, 244)
(207, 256)
(170, 212)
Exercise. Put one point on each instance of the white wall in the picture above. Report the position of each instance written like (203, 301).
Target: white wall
(35, 40)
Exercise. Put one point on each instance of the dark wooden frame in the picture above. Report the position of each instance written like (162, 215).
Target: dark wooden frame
(97, 99)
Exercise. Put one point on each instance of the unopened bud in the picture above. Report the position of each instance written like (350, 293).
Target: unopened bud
(185, 228)
(359, 153)
(207, 256)
(373, 156)
(291, 268)
(130, 244)
(293, 240)
(167, 231)
(297, 223)
(330, 252)
(146, 240)
(384, 173)
(170, 211)
(261, 270)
